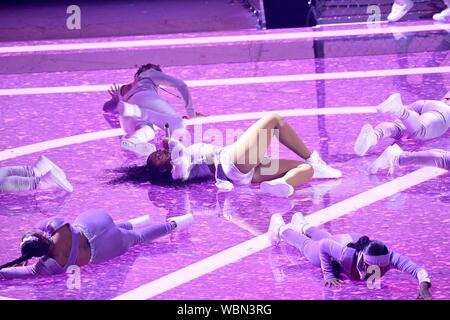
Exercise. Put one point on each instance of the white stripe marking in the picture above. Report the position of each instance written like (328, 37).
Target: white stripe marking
(243, 80)
(247, 248)
(262, 36)
(92, 136)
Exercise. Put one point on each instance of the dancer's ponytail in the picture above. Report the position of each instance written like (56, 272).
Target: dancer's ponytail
(361, 244)
(34, 244)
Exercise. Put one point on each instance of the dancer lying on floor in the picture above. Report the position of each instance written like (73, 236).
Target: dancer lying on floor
(422, 120)
(393, 156)
(348, 254)
(141, 107)
(242, 162)
(92, 238)
(44, 174)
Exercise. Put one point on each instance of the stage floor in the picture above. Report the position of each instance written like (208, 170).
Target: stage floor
(225, 254)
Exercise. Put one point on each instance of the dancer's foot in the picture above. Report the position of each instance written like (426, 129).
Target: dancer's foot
(53, 179)
(298, 223)
(276, 222)
(388, 159)
(366, 139)
(399, 9)
(44, 165)
(182, 222)
(392, 105)
(141, 148)
(321, 169)
(443, 16)
(277, 187)
(140, 222)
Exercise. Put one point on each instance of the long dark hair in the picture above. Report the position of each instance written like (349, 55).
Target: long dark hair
(142, 174)
(34, 244)
(146, 67)
(371, 247)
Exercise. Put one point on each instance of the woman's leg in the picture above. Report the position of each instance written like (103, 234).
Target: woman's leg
(308, 247)
(317, 234)
(133, 237)
(249, 150)
(395, 130)
(13, 184)
(292, 172)
(433, 158)
(20, 171)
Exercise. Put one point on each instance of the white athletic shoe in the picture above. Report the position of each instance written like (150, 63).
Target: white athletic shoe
(140, 148)
(443, 16)
(140, 222)
(321, 169)
(276, 222)
(44, 165)
(388, 159)
(393, 105)
(53, 179)
(277, 187)
(182, 222)
(298, 222)
(399, 9)
(366, 140)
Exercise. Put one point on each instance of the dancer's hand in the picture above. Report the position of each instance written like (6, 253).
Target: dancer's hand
(333, 282)
(114, 90)
(197, 115)
(424, 292)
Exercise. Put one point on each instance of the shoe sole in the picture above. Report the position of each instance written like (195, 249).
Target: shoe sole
(62, 182)
(55, 167)
(362, 137)
(279, 190)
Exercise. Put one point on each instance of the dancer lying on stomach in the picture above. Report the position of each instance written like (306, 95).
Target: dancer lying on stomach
(422, 120)
(92, 238)
(352, 254)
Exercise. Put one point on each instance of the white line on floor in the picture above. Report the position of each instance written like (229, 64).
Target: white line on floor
(208, 40)
(242, 80)
(247, 248)
(92, 136)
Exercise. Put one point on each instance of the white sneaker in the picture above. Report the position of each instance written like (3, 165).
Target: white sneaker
(399, 10)
(321, 169)
(182, 222)
(140, 222)
(393, 105)
(53, 179)
(388, 159)
(141, 148)
(44, 165)
(277, 187)
(443, 16)
(298, 222)
(276, 222)
(366, 140)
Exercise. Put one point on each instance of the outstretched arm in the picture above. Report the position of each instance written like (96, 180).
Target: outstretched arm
(40, 268)
(330, 250)
(404, 264)
(161, 78)
(111, 105)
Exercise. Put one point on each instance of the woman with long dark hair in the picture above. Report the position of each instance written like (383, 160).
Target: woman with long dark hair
(354, 255)
(141, 108)
(242, 162)
(92, 238)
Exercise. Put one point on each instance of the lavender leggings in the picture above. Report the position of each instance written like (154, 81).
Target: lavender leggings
(433, 158)
(309, 243)
(422, 120)
(109, 240)
(17, 179)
